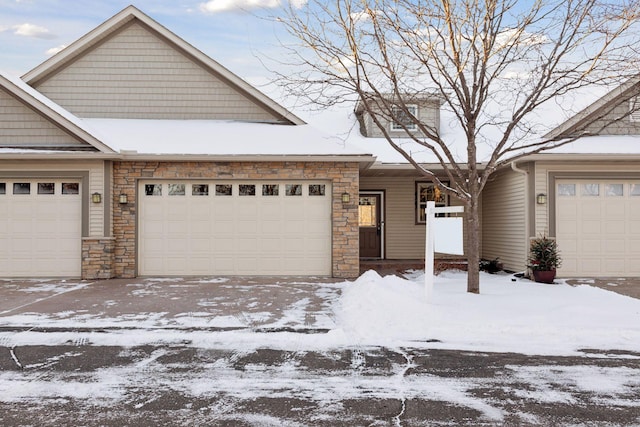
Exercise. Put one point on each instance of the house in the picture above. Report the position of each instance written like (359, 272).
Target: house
(131, 153)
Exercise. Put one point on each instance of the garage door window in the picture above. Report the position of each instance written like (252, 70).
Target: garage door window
(153, 189)
(316, 190)
(270, 189)
(21, 188)
(247, 190)
(590, 190)
(3, 188)
(614, 190)
(566, 190)
(70, 188)
(294, 190)
(46, 188)
(176, 189)
(224, 190)
(200, 190)
(634, 190)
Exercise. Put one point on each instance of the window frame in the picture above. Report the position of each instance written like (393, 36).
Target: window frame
(417, 204)
(397, 111)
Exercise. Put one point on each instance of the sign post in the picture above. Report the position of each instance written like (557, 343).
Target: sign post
(443, 235)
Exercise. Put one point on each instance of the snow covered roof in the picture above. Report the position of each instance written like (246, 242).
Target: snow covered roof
(217, 138)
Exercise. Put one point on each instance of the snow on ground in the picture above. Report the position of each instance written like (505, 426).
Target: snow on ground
(509, 315)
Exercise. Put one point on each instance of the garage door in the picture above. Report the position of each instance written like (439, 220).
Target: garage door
(598, 227)
(234, 228)
(40, 228)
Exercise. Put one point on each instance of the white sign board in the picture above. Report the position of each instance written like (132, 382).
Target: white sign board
(450, 240)
(448, 235)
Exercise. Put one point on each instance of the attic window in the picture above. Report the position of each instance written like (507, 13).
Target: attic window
(634, 109)
(402, 121)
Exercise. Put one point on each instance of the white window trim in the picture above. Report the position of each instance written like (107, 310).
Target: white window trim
(396, 126)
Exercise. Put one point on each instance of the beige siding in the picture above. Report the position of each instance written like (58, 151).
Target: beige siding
(20, 126)
(404, 239)
(428, 113)
(615, 125)
(95, 170)
(136, 74)
(504, 220)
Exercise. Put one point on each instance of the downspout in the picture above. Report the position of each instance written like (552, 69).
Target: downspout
(527, 210)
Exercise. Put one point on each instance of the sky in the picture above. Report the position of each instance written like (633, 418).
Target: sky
(235, 33)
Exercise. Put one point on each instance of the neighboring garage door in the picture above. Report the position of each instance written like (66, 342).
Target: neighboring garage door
(598, 227)
(40, 228)
(234, 228)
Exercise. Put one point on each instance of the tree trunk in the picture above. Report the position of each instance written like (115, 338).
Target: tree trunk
(473, 246)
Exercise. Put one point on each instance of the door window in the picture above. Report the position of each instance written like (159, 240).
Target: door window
(367, 212)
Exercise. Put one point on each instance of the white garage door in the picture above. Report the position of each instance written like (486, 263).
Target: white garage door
(40, 228)
(234, 228)
(598, 227)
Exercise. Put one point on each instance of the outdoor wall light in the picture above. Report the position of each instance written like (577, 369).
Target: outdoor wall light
(123, 199)
(96, 197)
(541, 199)
(346, 198)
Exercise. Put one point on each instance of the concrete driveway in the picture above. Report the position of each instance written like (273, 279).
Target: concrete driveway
(629, 286)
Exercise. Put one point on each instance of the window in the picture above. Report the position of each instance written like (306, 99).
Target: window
(46, 188)
(247, 190)
(21, 188)
(614, 190)
(316, 190)
(566, 190)
(153, 189)
(402, 120)
(634, 190)
(428, 192)
(293, 189)
(270, 189)
(590, 190)
(3, 188)
(176, 189)
(70, 188)
(200, 190)
(224, 189)
(367, 211)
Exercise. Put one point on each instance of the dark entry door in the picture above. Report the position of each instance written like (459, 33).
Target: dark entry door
(369, 214)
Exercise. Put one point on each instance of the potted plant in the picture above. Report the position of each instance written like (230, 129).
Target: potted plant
(544, 258)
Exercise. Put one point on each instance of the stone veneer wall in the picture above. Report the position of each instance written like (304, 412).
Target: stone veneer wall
(97, 258)
(343, 175)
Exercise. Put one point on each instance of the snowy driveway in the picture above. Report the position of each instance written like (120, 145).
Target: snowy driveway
(298, 352)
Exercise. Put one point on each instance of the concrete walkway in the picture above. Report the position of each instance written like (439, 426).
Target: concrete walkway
(629, 286)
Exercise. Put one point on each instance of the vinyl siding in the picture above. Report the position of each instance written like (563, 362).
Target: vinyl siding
(22, 127)
(135, 74)
(404, 239)
(504, 219)
(428, 113)
(66, 168)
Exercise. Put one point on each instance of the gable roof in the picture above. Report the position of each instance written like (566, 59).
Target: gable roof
(601, 106)
(102, 33)
(56, 115)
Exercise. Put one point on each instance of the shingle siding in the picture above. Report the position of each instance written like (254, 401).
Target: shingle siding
(135, 74)
(20, 126)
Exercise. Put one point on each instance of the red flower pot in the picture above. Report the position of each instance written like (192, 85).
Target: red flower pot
(544, 276)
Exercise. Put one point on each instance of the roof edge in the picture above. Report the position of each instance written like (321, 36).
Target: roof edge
(125, 16)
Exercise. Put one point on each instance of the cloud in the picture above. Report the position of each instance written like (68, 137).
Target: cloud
(55, 50)
(30, 30)
(215, 6)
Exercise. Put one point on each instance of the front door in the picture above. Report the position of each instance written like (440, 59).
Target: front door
(370, 219)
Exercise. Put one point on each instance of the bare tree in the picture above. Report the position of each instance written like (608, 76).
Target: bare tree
(493, 64)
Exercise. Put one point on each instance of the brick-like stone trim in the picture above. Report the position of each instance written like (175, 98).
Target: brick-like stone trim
(344, 177)
(97, 258)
